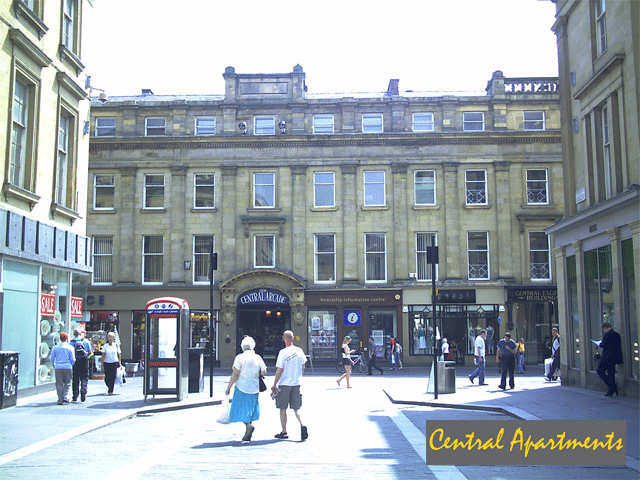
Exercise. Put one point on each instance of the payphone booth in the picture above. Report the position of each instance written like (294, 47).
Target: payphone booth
(166, 354)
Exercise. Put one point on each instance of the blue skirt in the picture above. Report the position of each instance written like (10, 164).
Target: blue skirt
(244, 407)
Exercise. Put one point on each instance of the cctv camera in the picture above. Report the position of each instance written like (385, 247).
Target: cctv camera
(103, 98)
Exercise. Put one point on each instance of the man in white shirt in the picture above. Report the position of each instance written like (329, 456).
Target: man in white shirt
(286, 385)
(479, 359)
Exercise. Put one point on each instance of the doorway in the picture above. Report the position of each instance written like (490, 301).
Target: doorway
(265, 324)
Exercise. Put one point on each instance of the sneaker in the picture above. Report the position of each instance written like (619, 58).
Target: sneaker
(303, 433)
(83, 396)
(501, 387)
(547, 379)
(282, 435)
(471, 380)
(74, 399)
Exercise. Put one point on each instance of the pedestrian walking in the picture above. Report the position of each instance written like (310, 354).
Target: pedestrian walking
(62, 359)
(445, 350)
(479, 358)
(346, 360)
(392, 355)
(111, 358)
(372, 357)
(555, 355)
(82, 349)
(611, 345)
(506, 358)
(286, 384)
(247, 367)
(520, 355)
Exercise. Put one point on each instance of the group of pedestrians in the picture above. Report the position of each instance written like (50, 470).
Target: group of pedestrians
(70, 360)
(248, 367)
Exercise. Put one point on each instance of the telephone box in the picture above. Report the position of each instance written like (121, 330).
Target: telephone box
(166, 354)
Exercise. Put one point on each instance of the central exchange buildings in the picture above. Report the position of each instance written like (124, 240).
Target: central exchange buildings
(321, 209)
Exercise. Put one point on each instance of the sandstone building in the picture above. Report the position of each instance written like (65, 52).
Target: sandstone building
(597, 245)
(321, 209)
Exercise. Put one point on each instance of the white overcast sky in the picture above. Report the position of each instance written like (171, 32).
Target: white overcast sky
(177, 47)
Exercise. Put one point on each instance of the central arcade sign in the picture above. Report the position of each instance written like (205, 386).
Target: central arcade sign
(262, 296)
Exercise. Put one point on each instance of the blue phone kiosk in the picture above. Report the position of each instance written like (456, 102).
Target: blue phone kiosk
(166, 354)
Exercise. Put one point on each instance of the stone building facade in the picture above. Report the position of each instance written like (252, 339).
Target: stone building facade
(44, 253)
(321, 208)
(597, 245)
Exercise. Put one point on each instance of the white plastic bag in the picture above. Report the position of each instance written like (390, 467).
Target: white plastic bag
(120, 373)
(223, 417)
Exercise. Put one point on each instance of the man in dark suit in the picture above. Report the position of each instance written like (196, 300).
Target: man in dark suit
(611, 345)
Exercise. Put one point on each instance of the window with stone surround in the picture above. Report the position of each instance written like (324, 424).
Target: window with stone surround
(20, 164)
(476, 187)
(375, 262)
(264, 254)
(534, 120)
(478, 255)
(205, 126)
(70, 25)
(155, 126)
(264, 187)
(65, 162)
(372, 123)
(601, 26)
(539, 256)
(201, 257)
(204, 185)
(324, 189)
(374, 189)
(422, 122)
(154, 191)
(325, 258)
(473, 121)
(537, 187)
(323, 124)
(152, 259)
(102, 260)
(264, 125)
(105, 127)
(103, 192)
(425, 187)
(423, 267)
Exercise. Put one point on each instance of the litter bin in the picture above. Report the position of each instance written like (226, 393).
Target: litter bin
(8, 379)
(196, 370)
(446, 378)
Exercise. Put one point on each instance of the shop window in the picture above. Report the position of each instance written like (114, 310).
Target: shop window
(138, 323)
(322, 334)
(630, 302)
(421, 332)
(101, 322)
(199, 331)
(574, 320)
(204, 185)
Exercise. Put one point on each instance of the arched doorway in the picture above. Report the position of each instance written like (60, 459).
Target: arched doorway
(263, 314)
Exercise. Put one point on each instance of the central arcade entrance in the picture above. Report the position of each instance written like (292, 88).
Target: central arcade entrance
(263, 314)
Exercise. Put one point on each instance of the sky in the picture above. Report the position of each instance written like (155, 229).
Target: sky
(182, 47)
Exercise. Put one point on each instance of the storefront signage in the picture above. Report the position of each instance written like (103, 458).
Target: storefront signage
(352, 318)
(355, 298)
(456, 296)
(47, 304)
(263, 295)
(76, 307)
(533, 295)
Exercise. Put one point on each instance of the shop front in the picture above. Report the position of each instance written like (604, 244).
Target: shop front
(359, 314)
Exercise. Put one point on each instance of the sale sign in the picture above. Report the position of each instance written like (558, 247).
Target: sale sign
(76, 307)
(47, 304)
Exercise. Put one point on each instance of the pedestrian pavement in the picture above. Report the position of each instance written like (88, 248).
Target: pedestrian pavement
(37, 422)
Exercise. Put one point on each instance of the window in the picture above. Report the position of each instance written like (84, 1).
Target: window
(478, 253)
(205, 126)
(473, 121)
(264, 186)
(69, 24)
(374, 195)
(423, 267)
(65, 130)
(155, 126)
(264, 251)
(325, 256)
(539, 256)
(537, 187)
(20, 135)
(375, 261)
(324, 189)
(476, 186)
(534, 120)
(425, 187)
(601, 26)
(102, 260)
(105, 127)
(323, 124)
(152, 253)
(606, 152)
(423, 122)
(103, 192)
(204, 185)
(154, 191)
(372, 123)
(263, 125)
(201, 258)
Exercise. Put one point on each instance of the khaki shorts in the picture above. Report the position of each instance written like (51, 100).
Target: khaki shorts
(289, 396)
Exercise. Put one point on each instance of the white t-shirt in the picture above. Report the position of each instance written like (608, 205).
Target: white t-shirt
(346, 355)
(445, 348)
(290, 360)
(112, 352)
(250, 364)
(480, 345)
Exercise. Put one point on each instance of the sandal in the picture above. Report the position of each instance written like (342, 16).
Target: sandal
(282, 435)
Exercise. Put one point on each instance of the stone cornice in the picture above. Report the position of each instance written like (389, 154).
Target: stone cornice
(393, 140)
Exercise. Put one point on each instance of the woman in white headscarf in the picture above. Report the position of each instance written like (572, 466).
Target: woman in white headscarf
(247, 367)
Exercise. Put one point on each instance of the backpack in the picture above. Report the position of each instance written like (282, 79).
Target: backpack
(81, 351)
